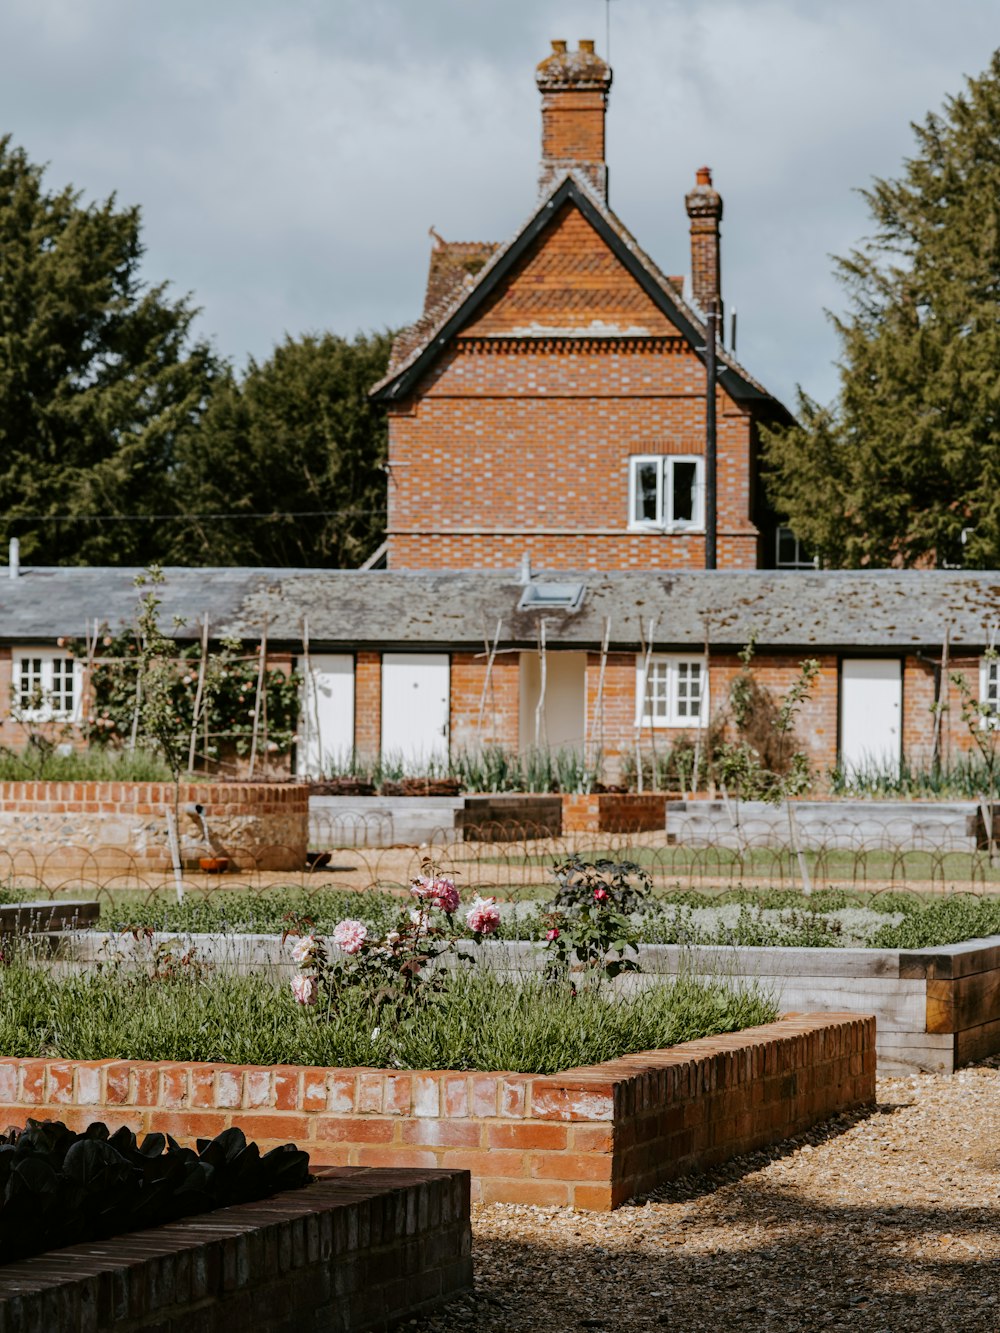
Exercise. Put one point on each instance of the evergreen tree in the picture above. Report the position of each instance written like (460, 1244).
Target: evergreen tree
(98, 376)
(297, 438)
(908, 458)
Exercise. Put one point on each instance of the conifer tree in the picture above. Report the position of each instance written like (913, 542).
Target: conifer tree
(298, 441)
(904, 468)
(99, 377)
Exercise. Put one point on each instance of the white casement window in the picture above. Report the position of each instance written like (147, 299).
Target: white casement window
(989, 685)
(676, 693)
(790, 552)
(666, 492)
(46, 685)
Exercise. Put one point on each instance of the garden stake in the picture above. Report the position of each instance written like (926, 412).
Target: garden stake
(262, 654)
(314, 691)
(540, 706)
(175, 854)
(491, 652)
(198, 693)
(794, 834)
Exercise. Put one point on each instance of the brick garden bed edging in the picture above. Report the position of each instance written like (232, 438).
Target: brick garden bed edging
(353, 1253)
(51, 830)
(592, 1137)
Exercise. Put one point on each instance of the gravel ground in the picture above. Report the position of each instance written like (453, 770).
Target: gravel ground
(887, 1221)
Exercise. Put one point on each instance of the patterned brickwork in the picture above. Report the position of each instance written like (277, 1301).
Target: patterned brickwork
(519, 439)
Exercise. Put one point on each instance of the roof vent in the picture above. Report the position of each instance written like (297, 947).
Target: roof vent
(552, 597)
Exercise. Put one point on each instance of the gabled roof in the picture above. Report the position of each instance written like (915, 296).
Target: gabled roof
(424, 342)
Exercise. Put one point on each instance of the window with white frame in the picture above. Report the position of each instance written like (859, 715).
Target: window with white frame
(46, 684)
(790, 553)
(989, 684)
(666, 492)
(676, 691)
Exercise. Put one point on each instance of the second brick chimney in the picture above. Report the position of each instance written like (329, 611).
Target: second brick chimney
(574, 87)
(704, 208)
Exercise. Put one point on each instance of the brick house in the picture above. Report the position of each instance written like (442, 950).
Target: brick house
(550, 402)
(418, 663)
(548, 412)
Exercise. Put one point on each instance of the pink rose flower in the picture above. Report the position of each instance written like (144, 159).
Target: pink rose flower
(350, 935)
(304, 989)
(484, 916)
(438, 892)
(303, 949)
(600, 895)
(552, 934)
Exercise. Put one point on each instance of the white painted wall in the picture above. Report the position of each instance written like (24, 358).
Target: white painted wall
(326, 713)
(871, 712)
(565, 712)
(415, 694)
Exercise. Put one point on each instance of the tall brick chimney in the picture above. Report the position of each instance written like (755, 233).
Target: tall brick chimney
(574, 87)
(704, 208)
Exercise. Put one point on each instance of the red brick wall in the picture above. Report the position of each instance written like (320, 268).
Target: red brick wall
(519, 438)
(48, 829)
(502, 701)
(368, 703)
(591, 1137)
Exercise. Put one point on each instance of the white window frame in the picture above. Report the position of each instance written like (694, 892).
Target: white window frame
(46, 673)
(672, 668)
(989, 688)
(801, 562)
(665, 493)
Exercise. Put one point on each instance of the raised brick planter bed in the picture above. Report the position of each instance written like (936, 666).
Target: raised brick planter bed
(614, 812)
(357, 1251)
(48, 829)
(592, 1137)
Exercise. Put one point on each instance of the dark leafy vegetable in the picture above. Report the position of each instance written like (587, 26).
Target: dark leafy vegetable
(60, 1188)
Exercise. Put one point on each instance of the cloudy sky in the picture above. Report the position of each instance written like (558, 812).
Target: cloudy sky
(289, 157)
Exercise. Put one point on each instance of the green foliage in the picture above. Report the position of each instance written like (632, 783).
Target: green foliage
(949, 921)
(62, 1188)
(908, 459)
(144, 676)
(297, 433)
(44, 763)
(487, 1024)
(99, 380)
(486, 768)
(589, 927)
(762, 763)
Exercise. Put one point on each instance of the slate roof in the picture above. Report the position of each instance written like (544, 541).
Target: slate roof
(884, 610)
(419, 346)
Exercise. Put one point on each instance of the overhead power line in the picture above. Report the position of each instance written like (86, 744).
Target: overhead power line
(185, 518)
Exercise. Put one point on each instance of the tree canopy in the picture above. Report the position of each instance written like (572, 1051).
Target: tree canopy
(296, 438)
(123, 439)
(98, 375)
(903, 468)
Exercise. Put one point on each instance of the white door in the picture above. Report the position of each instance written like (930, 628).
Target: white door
(415, 709)
(871, 710)
(326, 714)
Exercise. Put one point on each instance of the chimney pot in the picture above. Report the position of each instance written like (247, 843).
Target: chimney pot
(14, 558)
(574, 87)
(704, 208)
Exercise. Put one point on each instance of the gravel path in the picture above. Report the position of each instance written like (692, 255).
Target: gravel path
(889, 1221)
